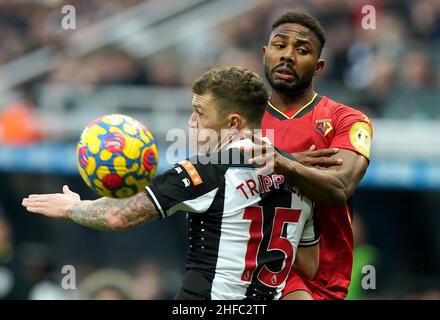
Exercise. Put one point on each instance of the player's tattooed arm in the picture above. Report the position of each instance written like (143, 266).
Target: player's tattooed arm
(101, 214)
(113, 214)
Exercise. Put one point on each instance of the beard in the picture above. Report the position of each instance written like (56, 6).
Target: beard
(294, 88)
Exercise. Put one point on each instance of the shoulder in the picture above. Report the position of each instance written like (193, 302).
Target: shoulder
(340, 109)
(216, 164)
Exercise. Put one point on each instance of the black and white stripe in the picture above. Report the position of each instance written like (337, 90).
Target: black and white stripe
(218, 233)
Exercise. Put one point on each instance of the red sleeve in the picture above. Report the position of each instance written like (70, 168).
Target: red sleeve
(294, 283)
(353, 130)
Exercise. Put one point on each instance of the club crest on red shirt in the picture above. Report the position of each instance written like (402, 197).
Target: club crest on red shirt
(324, 126)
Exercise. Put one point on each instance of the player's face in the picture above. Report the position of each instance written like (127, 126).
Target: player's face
(205, 119)
(291, 58)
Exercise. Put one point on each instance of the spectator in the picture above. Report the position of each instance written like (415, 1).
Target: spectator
(107, 284)
(19, 124)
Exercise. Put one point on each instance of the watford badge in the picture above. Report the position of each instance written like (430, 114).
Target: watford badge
(324, 126)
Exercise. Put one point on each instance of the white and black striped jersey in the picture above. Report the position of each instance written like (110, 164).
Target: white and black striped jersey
(244, 229)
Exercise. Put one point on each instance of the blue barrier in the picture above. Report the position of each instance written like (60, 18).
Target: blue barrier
(61, 159)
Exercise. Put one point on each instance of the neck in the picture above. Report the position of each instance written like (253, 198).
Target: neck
(234, 135)
(292, 101)
(224, 139)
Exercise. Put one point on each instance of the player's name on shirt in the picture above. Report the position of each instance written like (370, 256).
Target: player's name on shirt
(264, 184)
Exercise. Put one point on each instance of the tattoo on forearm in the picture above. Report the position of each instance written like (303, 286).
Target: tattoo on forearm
(114, 214)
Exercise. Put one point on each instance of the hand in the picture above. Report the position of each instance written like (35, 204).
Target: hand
(55, 205)
(318, 158)
(267, 157)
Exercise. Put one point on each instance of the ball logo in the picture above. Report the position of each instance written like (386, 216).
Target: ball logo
(149, 160)
(115, 143)
(82, 157)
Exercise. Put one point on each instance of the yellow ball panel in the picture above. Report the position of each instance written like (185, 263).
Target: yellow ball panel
(105, 155)
(116, 130)
(113, 119)
(130, 128)
(124, 193)
(102, 172)
(91, 165)
(101, 189)
(91, 138)
(120, 165)
(132, 148)
(84, 176)
(145, 137)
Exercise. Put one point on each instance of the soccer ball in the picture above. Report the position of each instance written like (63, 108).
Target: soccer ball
(116, 156)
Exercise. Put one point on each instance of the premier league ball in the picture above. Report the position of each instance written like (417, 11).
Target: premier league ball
(116, 156)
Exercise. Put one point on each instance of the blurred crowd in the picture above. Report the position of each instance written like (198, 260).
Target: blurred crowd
(33, 270)
(392, 71)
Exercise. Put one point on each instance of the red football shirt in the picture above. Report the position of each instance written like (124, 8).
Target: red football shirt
(326, 124)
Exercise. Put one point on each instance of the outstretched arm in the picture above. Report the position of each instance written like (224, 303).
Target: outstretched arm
(113, 214)
(102, 214)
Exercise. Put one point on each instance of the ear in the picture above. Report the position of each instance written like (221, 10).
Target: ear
(319, 66)
(263, 53)
(236, 121)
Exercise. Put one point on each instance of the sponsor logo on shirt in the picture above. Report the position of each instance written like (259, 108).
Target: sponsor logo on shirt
(186, 182)
(192, 172)
(360, 138)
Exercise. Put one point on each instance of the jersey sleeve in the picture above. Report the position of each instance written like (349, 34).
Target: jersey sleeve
(188, 186)
(353, 130)
(310, 235)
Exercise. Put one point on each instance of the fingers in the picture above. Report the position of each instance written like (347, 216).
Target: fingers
(41, 197)
(323, 158)
(324, 162)
(34, 205)
(246, 134)
(324, 152)
(244, 149)
(266, 170)
(312, 148)
(38, 210)
(54, 205)
(31, 201)
(261, 149)
(257, 150)
(25, 202)
(265, 164)
(259, 160)
(38, 201)
(258, 140)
